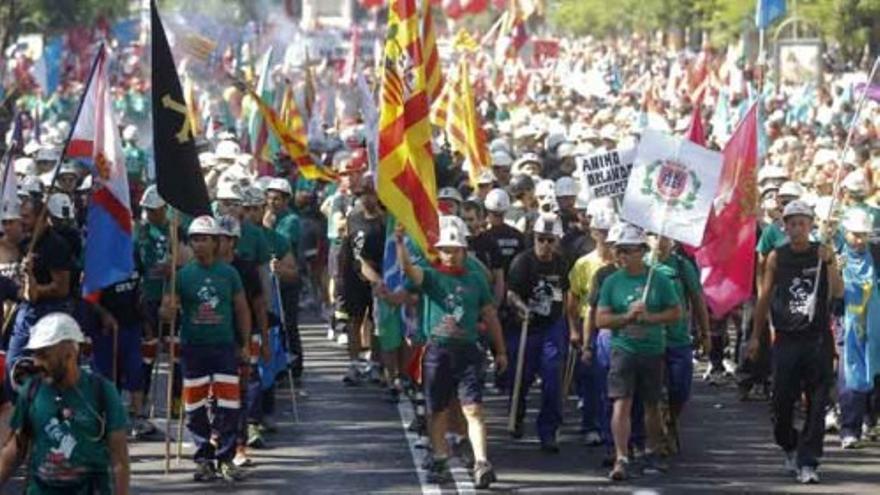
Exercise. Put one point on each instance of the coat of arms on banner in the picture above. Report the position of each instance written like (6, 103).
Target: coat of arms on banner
(671, 182)
(671, 187)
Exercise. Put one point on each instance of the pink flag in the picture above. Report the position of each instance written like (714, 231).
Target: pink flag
(727, 256)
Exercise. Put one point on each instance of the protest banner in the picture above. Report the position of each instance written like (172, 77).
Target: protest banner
(606, 174)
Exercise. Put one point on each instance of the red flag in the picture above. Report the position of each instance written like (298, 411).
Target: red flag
(696, 132)
(727, 256)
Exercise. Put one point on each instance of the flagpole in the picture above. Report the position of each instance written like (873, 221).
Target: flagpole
(41, 219)
(842, 156)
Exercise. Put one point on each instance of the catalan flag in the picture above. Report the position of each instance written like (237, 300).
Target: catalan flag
(440, 107)
(297, 149)
(406, 182)
(433, 75)
(291, 116)
(257, 128)
(463, 127)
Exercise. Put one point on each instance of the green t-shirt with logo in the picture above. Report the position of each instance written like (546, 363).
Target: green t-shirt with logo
(620, 290)
(206, 294)
(452, 304)
(686, 281)
(252, 245)
(67, 444)
(771, 238)
(152, 243)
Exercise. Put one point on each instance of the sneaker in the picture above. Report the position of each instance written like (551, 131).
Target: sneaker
(331, 335)
(352, 376)
(618, 473)
(484, 475)
(374, 374)
(849, 442)
(204, 472)
(831, 421)
(729, 367)
(438, 472)
(255, 438)
(789, 463)
(342, 339)
(654, 463)
(807, 475)
(592, 439)
(142, 427)
(230, 472)
(242, 460)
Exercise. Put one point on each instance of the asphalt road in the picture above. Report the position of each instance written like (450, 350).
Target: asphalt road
(351, 440)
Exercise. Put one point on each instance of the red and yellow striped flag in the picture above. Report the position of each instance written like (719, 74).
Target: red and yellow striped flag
(433, 75)
(298, 151)
(463, 127)
(406, 183)
(291, 116)
(440, 107)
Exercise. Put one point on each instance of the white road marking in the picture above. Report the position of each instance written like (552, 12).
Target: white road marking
(406, 416)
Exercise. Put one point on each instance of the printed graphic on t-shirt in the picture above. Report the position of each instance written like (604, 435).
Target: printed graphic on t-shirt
(544, 295)
(453, 305)
(56, 466)
(800, 291)
(209, 300)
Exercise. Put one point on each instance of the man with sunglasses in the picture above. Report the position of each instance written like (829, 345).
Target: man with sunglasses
(803, 346)
(539, 278)
(70, 422)
(636, 304)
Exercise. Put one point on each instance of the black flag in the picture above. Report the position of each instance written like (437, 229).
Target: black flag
(178, 174)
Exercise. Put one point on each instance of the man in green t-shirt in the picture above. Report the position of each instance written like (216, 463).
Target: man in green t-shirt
(455, 299)
(212, 306)
(636, 304)
(70, 421)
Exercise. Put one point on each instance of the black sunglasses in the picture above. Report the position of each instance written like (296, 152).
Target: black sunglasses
(546, 239)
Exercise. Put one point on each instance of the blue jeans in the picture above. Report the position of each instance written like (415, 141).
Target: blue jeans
(544, 354)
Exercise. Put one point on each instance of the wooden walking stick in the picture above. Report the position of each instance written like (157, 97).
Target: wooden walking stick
(283, 318)
(520, 361)
(169, 397)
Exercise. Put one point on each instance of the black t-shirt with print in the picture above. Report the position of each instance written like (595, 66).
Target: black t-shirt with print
(541, 285)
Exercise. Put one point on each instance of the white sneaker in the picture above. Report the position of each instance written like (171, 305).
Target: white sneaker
(342, 339)
(831, 421)
(331, 335)
(808, 475)
(790, 462)
(592, 439)
(241, 460)
(729, 367)
(849, 442)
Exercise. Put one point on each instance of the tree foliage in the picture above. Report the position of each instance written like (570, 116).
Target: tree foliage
(852, 24)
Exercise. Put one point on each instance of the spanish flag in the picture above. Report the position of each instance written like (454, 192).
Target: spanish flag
(297, 149)
(463, 127)
(406, 182)
(433, 76)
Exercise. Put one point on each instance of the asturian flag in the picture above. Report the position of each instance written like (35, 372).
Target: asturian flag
(95, 140)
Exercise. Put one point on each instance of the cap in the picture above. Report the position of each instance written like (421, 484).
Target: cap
(603, 221)
(502, 159)
(227, 150)
(499, 145)
(60, 206)
(253, 196)
(229, 191)
(497, 201)
(453, 232)
(10, 210)
(526, 159)
(151, 198)
(485, 177)
(203, 225)
(771, 172)
(566, 187)
(68, 167)
(52, 329)
(279, 184)
(566, 149)
(791, 188)
(48, 154)
(548, 224)
(630, 235)
(24, 166)
(229, 226)
(858, 221)
(599, 205)
(450, 193)
(855, 182)
(797, 207)
(521, 183)
(30, 185)
(614, 232)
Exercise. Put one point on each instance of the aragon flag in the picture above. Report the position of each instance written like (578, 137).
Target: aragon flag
(178, 174)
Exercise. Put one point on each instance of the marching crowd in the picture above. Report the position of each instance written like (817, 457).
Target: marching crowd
(535, 281)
